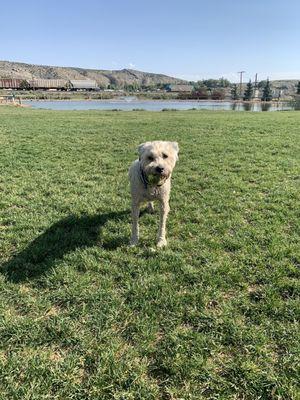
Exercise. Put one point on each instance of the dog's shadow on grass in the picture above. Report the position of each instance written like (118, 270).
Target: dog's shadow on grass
(61, 238)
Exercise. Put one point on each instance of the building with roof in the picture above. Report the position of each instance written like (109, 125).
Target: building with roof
(10, 83)
(48, 83)
(180, 88)
(83, 84)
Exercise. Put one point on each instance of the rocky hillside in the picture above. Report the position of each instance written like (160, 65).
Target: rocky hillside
(119, 78)
(286, 87)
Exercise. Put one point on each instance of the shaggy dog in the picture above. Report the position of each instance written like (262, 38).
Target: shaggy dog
(150, 179)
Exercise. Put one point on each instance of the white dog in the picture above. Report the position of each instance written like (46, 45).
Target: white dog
(150, 179)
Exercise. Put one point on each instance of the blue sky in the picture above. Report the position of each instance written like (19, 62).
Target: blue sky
(189, 39)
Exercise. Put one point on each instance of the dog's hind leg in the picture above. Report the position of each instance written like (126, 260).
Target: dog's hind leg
(135, 211)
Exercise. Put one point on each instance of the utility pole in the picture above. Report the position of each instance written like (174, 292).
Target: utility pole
(255, 87)
(241, 81)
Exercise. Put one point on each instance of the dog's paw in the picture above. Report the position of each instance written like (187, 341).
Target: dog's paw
(133, 242)
(161, 243)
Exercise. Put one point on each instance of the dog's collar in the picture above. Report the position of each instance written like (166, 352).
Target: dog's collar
(145, 180)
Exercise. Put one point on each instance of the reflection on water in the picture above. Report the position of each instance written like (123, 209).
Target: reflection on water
(247, 106)
(295, 105)
(266, 106)
(132, 103)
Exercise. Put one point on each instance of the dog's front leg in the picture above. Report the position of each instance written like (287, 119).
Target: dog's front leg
(150, 207)
(164, 210)
(135, 211)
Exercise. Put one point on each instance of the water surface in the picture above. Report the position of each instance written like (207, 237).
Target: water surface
(154, 105)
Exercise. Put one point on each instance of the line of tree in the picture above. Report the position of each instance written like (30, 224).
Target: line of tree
(234, 92)
(203, 93)
(264, 86)
(248, 95)
(267, 92)
(220, 83)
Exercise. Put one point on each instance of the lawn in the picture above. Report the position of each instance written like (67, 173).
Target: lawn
(215, 315)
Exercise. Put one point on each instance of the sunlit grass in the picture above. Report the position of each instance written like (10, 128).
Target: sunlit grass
(84, 316)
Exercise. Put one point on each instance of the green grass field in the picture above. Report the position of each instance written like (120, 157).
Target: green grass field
(213, 316)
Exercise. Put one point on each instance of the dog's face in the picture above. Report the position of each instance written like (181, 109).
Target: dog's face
(158, 158)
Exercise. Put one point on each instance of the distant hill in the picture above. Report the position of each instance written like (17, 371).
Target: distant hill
(104, 78)
(287, 86)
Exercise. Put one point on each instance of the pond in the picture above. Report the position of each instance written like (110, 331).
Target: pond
(129, 104)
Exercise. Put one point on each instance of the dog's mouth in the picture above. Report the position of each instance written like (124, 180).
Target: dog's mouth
(156, 179)
(162, 175)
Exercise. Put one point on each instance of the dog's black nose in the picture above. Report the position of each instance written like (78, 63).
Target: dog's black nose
(159, 169)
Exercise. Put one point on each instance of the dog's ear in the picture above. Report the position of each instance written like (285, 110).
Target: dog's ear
(141, 148)
(176, 148)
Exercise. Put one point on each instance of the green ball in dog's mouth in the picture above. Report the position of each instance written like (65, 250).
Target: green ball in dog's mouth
(155, 179)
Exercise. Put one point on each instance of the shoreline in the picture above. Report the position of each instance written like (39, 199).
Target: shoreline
(117, 100)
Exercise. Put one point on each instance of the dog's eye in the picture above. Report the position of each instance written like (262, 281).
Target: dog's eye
(165, 155)
(150, 158)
